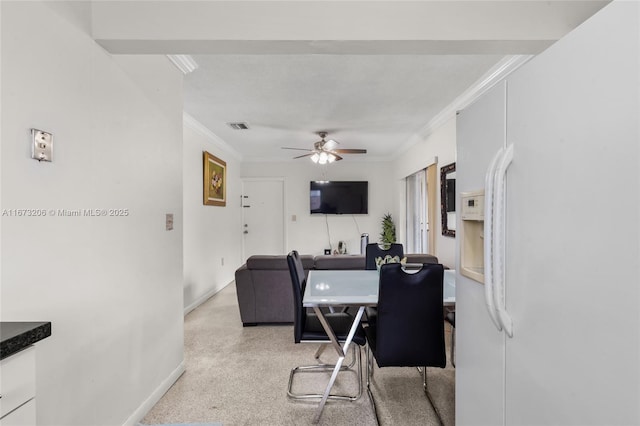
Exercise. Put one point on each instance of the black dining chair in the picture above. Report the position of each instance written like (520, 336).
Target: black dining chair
(307, 328)
(375, 250)
(409, 328)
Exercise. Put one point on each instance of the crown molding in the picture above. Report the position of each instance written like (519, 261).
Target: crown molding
(184, 63)
(498, 72)
(198, 127)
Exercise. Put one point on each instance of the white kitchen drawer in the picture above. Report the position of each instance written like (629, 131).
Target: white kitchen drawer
(17, 380)
(23, 416)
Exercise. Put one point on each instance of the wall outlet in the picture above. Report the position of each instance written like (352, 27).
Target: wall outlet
(327, 251)
(169, 221)
(222, 261)
(41, 145)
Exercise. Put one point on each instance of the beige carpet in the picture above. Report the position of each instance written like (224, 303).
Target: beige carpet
(239, 376)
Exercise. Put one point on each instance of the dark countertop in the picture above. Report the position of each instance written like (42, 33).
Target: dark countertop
(15, 336)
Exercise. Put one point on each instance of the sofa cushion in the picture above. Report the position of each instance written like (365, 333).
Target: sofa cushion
(271, 262)
(339, 261)
(421, 258)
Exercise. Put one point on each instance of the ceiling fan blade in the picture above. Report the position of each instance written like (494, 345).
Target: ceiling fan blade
(297, 149)
(330, 145)
(338, 158)
(350, 151)
(305, 155)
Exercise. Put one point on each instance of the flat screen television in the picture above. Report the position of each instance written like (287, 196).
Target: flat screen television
(339, 197)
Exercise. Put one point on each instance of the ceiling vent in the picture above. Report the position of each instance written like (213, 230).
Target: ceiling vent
(238, 126)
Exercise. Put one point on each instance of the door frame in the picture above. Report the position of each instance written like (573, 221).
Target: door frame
(432, 183)
(433, 188)
(284, 208)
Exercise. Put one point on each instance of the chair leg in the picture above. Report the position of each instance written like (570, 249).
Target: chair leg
(321, 349)
(324, 346)
(369, 366)
(423, 370)
(369, 375)
(426, 391)
(453, 347)
(357, 359)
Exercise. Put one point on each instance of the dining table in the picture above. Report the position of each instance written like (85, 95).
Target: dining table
(336, 289)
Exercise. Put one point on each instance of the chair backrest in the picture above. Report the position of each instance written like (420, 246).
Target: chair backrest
(298, 284)
(374, 250)
(410, 322)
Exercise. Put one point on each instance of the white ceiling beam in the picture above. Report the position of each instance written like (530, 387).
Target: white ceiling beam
(193, 27)
(326, 47)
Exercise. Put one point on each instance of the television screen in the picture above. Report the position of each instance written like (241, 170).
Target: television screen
(339, 197)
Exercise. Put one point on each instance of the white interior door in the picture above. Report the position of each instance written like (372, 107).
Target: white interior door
(262, 217)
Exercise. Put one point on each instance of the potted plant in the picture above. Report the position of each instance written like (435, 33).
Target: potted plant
(388, 234)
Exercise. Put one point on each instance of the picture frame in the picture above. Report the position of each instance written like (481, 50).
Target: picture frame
(215, 180)
(448, 199)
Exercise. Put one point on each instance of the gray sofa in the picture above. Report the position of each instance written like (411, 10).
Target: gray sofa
(263, 284)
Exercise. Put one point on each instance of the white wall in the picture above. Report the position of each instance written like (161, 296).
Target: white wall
(386, 194)
(211, 233)
(308, 234)
(111, 286)
(441, 144)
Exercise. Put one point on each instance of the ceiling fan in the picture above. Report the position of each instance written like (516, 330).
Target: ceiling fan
(324, 151)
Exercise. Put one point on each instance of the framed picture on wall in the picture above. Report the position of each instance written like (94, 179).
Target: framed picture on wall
(448, 199)
(215, 180)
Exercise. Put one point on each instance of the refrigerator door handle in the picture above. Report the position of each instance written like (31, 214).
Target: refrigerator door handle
(500, 241)
(488, 238)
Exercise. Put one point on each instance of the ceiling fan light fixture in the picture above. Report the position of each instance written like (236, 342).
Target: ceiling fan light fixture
(329, 145)
(325, 151)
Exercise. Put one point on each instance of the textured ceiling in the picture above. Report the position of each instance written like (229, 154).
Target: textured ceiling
(371, 73)
(375, 102)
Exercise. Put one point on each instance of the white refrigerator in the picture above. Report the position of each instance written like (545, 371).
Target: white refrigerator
(566, 348)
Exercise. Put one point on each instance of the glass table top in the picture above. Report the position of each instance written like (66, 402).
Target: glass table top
(355, 287)
(328, 287)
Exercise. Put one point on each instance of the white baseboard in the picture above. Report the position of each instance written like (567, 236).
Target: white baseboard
(155, 396)
(200, 300)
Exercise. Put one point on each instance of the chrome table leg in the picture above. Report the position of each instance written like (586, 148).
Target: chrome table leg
(340, 351)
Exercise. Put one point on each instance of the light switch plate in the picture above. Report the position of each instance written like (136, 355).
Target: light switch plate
(41, 145)
(169, 221)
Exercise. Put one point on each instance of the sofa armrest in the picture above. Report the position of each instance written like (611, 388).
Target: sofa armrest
(246, 295)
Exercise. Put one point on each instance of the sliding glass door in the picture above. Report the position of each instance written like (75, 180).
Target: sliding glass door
(417, 223)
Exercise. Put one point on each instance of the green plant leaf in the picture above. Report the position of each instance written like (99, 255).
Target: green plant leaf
(388, 234)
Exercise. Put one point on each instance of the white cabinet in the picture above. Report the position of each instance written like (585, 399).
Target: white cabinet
(18, 388)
